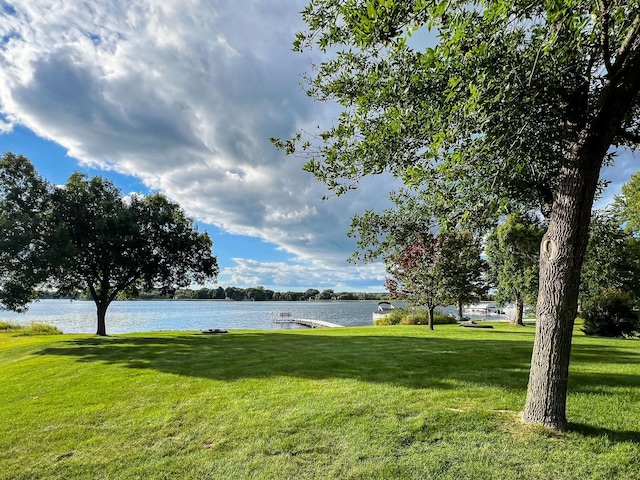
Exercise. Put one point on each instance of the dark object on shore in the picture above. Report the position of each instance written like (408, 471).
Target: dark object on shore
(474, 324)
(213, 330)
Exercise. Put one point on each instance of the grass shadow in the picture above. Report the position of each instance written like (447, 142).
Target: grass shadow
(420, 361)
(411, 361)
(614, 436)
(414, 362)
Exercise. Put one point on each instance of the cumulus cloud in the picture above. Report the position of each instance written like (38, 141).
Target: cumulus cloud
(248, 273)
(183, 94)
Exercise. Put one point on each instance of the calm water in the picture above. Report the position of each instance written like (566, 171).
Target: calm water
(142, 316)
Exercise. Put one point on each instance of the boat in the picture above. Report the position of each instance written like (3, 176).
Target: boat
(383, 311)
(483, 308)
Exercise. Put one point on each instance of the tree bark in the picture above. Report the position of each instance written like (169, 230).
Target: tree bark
(518, 314)
(102, 313)
(561, 255)
(590, 133)
(431, 309)
(460, 310)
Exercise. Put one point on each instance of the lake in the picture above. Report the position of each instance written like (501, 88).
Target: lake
(143, 316)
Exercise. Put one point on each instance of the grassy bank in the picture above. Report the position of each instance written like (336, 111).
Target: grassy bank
(368, 402)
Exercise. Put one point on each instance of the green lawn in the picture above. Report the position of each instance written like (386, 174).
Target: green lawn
(368, 402)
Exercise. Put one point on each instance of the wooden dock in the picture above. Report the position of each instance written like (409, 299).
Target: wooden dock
(287, 317)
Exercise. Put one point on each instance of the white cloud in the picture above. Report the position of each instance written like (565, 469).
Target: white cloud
(283, 276)
(184, 95)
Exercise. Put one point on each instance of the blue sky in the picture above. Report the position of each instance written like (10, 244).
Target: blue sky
(182, 96)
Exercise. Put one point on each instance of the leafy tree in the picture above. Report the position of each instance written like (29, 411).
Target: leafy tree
(258, 294)
(327, 294)
(235, 293)
(432, 270)
(513, 103)
(204, 293)
(465, 268)
(219, 294)
(612, 261)
(88, 236)
(416, 274)
(24, 227)
(381, 234)
(610, 313)
(627, 205)
(112, 244)
(311, 293)
(513, 253)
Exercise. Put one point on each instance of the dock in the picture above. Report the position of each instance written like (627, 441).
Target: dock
(287, 317)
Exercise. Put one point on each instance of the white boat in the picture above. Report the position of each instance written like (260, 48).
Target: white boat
(384, 309)
(483, 308)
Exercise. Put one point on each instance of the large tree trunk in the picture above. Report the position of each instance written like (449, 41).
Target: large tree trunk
(519, 310)
(460, 310)
(101, 308)
(431, 309)
(563, 246)
(102, 326)
(561, 255)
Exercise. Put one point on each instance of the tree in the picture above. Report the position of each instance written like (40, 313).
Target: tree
(516, 103)
(431, 270)
(235, 293)
(612, 260)
(416, 274)
(610, 313)
(513, 253)
(627, 205)
(24, 223)
(327, 294)
(311, 294)
(204, 294)
(112, 244)
(410, 222)
(88, 236)
(465, 269)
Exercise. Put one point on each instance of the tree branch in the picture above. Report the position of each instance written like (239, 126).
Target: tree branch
(604, 37)
(627, 46)
(630, 136)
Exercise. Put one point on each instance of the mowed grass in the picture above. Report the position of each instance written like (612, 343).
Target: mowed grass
(354, 403)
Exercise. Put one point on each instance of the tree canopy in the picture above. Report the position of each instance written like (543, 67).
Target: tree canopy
(513, 254)
(24, 221)
(484, 107)
(97, 239)
(612, 261)
(627, 205)
(434, 270)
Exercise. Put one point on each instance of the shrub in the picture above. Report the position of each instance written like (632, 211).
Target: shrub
(38, 329)
(393, 318)
(611, 314)
(418, 316)
(6, 326)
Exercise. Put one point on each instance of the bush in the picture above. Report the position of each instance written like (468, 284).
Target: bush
(418, 316)
(38, 329)
(393, 318)
(610, 314)
(6, 326)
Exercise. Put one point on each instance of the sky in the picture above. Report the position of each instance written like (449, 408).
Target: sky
(181, 97)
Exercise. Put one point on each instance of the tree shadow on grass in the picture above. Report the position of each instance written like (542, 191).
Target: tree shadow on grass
(408, 361)
(413, 362)
(614, 436)
(417, 362)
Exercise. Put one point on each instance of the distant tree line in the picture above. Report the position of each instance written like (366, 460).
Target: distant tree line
(257, 294)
